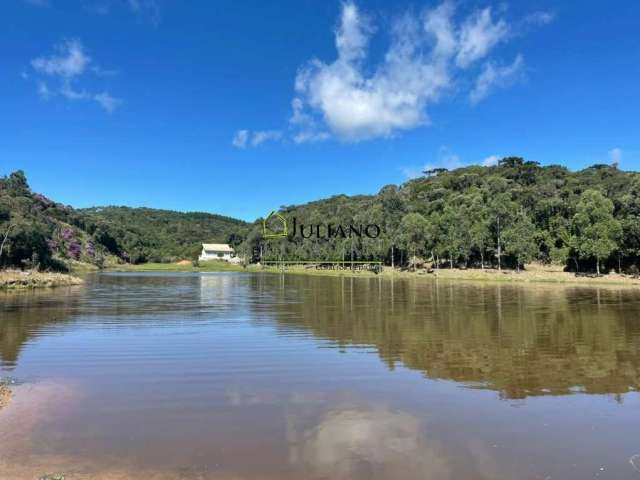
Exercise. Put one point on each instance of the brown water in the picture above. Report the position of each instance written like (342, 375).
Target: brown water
(249, 376)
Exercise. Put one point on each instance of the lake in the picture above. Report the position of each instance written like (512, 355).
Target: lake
(262, 376)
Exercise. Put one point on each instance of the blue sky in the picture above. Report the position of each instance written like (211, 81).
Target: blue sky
(238, 107)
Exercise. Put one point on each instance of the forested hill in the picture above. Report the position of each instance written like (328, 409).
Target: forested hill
(42, 232)
(501, 216)
(508, 215)
(148, 234)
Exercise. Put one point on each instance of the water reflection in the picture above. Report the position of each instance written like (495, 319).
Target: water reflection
(518, 340)
(367, 443)
(227, 376)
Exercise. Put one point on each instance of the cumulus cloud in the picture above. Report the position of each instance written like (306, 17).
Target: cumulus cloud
(358, 106)
(68, 64)
(494, 76)
(430, 54)
(615, 155)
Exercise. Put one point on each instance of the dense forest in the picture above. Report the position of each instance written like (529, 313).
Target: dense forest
(503, 216)
(506, 215)
(150, 235)
(38, 232)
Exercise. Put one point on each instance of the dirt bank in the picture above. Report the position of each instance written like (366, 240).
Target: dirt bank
(16, 279)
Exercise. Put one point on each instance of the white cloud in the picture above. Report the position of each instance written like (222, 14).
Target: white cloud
(430, 55)
(262, 136)
(69, 64)
(306, 126)
(309, 136)
(244, 138)
(240, 139)
(70, 61)
(491, 161)
(479, 34)
(107, 102)
(444, 159)
(358, 106)
(67, 91)
(494, 76)
(411, 172)
(448, 160)
(615, 155)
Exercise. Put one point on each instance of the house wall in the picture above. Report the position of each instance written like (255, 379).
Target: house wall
(211, 255)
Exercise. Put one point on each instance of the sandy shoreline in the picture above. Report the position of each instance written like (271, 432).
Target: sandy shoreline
(5, 395)
(534, 273)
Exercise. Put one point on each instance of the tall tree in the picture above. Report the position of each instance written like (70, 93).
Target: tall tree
(519, 239)
(414, 232)
(597, 231)
(479, 232)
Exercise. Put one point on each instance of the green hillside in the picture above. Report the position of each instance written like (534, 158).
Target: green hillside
(150, 235)
(505, 215)
(42, 232)
(474, 217)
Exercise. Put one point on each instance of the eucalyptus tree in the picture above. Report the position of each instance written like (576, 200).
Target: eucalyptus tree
(456, 225)
(393, 209)
(479, 231)
(414, 234)
(597, 230)
(519, 239)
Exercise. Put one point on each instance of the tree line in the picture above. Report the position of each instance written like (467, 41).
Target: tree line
(36, 231)
(503, 216)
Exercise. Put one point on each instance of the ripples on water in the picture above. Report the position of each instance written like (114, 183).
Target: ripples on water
(252, 376)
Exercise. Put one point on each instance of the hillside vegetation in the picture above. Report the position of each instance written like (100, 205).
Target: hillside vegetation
(38, 232)
(502, 216)
(141, 235)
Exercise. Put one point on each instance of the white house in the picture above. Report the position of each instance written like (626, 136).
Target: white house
(218, 251)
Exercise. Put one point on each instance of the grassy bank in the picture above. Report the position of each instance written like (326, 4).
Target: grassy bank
(16, 279)
(534, 273)
(185, 266)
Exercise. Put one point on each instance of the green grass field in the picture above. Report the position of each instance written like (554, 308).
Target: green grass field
(212, 266)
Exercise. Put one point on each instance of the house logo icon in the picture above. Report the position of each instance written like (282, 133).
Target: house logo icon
(274, 226)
